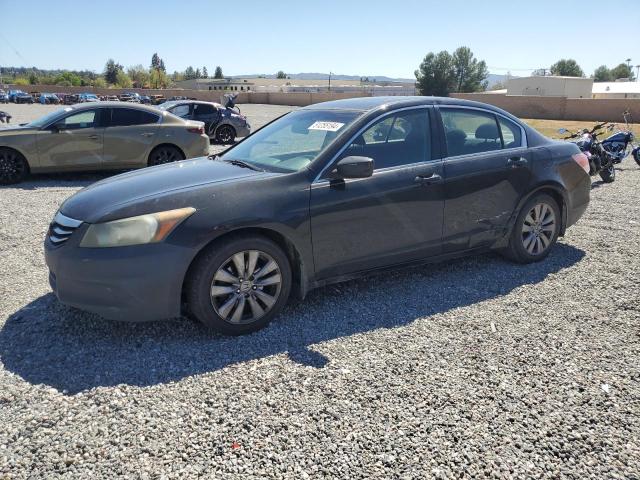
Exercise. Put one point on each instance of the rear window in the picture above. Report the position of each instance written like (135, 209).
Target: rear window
(204, 109)
(121, 117)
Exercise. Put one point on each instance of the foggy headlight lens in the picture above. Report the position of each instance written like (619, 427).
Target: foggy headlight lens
(150, 228)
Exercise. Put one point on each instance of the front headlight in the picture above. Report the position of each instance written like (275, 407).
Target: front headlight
(150, 228)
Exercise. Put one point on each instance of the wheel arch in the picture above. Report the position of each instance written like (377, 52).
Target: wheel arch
(299, 284)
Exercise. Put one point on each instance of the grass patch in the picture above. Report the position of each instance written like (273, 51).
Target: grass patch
(550, 128)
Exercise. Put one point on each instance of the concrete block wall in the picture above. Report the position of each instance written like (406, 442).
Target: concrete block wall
(560, 108)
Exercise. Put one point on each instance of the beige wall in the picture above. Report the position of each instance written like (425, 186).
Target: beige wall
(560, 108)
(295, 99)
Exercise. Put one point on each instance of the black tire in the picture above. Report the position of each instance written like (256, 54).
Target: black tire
(200, 285)
(522, 229)
(164, 154)
(636, 156)
(608, 175)
(225, 134)
(13, 166)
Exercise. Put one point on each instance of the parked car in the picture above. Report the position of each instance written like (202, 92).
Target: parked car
(88, 97)
(4, 98)
(48, 99)
(145, 99)
(157, 99)
(111, 98)
(18, 96)
(325, 193)
(98, 136)
(35, 96)
(71, 98)
(221, 124)
(132, 97)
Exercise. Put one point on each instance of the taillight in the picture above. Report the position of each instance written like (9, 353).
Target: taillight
(582, 160)
(198, 130)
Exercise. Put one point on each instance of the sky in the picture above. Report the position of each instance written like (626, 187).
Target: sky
(345, 37)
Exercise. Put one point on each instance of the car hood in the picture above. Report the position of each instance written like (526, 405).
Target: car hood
(102, 200)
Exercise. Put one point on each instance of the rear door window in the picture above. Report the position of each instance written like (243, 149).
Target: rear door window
(121, 117)
(201, 109)
(470, 131)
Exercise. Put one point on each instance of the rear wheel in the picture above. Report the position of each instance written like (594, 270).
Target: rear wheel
(535, 231)
(225, 134)
(13, 166)
(164, 154)
(608, 174)
(240, 285)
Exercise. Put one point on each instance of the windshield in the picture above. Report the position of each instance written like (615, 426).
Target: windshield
(292, 142)
(47, 119)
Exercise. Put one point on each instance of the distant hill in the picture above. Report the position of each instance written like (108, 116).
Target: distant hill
(493, 79)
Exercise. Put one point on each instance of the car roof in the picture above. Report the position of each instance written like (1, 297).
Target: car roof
(370, 104)
(136, 106)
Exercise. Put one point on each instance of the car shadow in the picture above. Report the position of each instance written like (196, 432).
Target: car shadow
(46, 180)
(47, 343)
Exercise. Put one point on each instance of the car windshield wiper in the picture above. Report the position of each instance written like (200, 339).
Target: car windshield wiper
(242, 163)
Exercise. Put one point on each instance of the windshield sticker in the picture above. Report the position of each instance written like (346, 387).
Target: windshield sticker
(327, 126)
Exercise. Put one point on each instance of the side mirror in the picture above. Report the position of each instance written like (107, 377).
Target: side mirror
(354, 167)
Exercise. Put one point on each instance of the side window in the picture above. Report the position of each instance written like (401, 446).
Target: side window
(395, 140)
(203, 109)
(470, 131)
(511, 133)
(121, 117)
(181, 110)
(86, 119)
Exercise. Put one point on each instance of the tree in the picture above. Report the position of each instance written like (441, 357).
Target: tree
(33, 79)
(123, 80)
(159, 79)
(470, 74)
(622, 71)
(205, 74)
(602, 74)
(281, 74)
(111, 70)
(189, 73)
(567, 68)
(198, 74)
(155, 61)
(100, 83)
(436, 74)
(218, 73)
(138, 75)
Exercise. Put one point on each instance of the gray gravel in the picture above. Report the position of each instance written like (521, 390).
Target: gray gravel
(477, 368)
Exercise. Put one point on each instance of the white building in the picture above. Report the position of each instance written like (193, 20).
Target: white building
(570, 87)
(616, 90)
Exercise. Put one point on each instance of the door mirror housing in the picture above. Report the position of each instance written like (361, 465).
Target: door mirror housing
(354, 167)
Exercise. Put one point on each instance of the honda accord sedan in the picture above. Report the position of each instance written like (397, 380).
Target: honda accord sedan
(98, 136)
(323, 194)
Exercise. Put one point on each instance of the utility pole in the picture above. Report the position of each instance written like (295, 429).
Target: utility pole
(637, 73)
(330, 73)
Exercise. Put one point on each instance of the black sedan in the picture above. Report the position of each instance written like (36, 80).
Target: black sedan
(323, 194)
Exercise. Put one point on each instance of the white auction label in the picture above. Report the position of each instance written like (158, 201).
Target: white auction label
(327, 126)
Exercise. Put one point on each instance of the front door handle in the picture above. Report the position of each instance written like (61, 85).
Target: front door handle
(147, 134)
(516, 162)
(93, 137)
(431, 180)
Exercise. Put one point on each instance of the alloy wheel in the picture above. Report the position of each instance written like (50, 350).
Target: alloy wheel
(538, 229)
(165, 155)
(246, 287)
(225, 134)
(12, 168)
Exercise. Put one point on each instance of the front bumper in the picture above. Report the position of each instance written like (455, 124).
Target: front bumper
(243, 131)
(137, 283)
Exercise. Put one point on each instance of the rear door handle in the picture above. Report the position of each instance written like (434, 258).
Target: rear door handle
(515, 162)
(431, 180)
(93, 137)
(147, 134)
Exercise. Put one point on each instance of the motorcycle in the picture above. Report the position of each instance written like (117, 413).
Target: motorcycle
(618, 144)
(600, 160)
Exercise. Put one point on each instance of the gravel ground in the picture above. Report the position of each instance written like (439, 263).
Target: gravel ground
(476, 368)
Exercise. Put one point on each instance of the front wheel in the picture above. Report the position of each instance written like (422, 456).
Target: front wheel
(608, 174)
(535, 231)
(636, 155)
(239, 286)
(13, 167)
